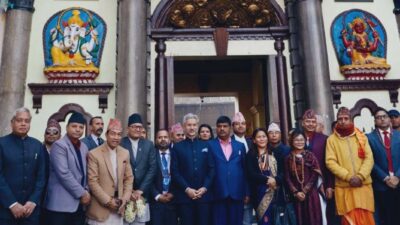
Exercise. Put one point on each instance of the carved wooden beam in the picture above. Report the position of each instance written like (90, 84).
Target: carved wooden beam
(392, 86)
(102, 90)
(207, 34)
(221, 37)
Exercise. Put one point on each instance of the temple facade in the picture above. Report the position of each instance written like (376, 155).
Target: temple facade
(269, 59)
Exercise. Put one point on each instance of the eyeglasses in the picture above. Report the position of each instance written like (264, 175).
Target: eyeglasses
(51, 132)
(137, 127)
(381, 117)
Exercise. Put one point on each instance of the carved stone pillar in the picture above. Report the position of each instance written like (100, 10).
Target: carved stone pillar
(161, 87)
(131, 59)
(314, 58)
(15, 51)
(283, 89)
(295, 61)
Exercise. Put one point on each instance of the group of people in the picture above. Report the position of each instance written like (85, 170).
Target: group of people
(190, 177)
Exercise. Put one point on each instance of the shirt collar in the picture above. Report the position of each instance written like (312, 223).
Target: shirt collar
(19, 137)
(111, 150)
(75, 143)
(167, 152)
(388, 130)
(134, 141)
(94, 137)
(229, 141)
(239, 138)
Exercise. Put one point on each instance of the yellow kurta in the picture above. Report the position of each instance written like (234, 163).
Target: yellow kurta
(343, 161)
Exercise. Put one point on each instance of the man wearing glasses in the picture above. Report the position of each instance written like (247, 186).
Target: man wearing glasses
(143, 161)
(51, 134)
(22, 173)
(385, 145)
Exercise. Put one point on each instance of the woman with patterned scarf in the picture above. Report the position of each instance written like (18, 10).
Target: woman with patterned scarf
(262, 169)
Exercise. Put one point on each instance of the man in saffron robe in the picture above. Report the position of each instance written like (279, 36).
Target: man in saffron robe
(349, 158)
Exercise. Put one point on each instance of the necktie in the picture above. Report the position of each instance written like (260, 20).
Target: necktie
(100, 141)
(386, 141)
(165, 173)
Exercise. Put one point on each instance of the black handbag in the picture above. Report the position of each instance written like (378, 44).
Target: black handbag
(284, 214)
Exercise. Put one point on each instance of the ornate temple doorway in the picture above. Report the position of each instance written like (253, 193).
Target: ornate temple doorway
(221, 46)
(211, 86)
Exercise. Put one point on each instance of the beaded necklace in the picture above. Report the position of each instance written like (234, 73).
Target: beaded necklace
(301, 181)
(263, 161)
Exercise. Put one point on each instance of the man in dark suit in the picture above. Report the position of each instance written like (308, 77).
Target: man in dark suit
(230, 185)
(239, 131)
(22, 173)
(193, 172)
(162, 207)
(67, 191)
(93, 140)
(385, 145)
(143, 161)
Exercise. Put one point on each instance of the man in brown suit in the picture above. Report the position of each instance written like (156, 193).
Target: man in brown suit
(110, 179)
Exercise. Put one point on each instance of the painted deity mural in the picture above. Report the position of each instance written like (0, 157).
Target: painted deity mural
(73, 41)
(360, 43)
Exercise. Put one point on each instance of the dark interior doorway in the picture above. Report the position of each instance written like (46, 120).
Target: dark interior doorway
(201, 78)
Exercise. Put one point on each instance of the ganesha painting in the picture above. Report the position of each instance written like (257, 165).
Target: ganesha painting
(73, 41)
(360, 45)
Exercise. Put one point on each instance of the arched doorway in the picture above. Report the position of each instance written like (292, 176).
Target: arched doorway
(221, 22)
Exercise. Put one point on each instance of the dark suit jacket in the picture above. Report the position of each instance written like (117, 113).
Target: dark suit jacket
(157, 186)
(144, 167)
(230, 175)
(192, 166)
(381, 169)
(89, 142)
(22, 172)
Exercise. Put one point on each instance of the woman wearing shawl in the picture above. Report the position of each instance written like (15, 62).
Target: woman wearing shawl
(262, 170)
(302, 175)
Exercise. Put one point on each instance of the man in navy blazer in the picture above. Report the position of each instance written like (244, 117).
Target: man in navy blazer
(93, 140)
(385, 145)
(67, 192)
(162, 206)
(230, 185)
(192, 167)
(22, 173)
